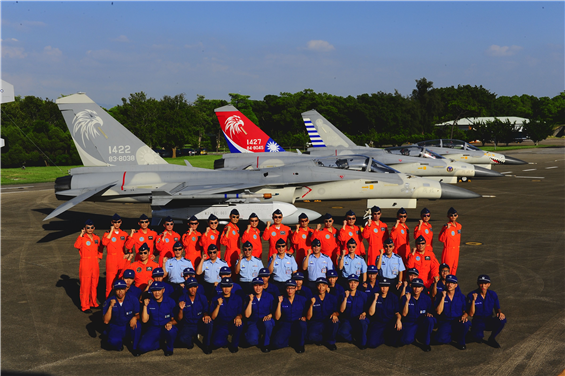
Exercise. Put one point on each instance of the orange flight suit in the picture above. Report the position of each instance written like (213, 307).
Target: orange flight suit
(451, 239)
(90, 250)
(347, 232)
(115, 262)
(137, 240)
(164, 245)
(253, 237)
(427, 233)
(401, 238)
(143, 272)
(212, 237)
(192, 249)
(230, 238)
(301, 242)
(376, 234)
(427, 266)
(328, 240)
(272, 234)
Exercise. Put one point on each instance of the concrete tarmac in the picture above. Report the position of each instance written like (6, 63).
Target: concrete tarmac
(517, 237)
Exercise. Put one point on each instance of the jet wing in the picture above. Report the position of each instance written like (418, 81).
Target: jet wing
(77, 200)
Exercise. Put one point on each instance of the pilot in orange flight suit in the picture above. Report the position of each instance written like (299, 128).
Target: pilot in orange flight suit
(425, 261)
(230, 238)
(424, 228)
(91, 251)
(253, 236)
(328, 238)
(211, 235)
(301, 239)
(143, 235)
(166, 240)
(190, 241)
(400, 235)
(143, 267)
(114, 241)
(450, 236)
(275, 232)
(351, 231)
(376, 232)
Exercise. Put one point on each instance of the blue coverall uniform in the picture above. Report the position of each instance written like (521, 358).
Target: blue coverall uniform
(159, 315)
(321, 328)
(224, 323)
(289, 328)
(381, 327)
(254, 325)
(417, 322)
(191, 323)
(483, 318)
(449, 326)
(350, 326)
(118, 327)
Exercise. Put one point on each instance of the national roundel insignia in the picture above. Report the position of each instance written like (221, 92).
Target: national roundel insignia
(88, 242)
(166, 240)
(113, 239)
(193, 239)
(138, 269)
(452, 233)
(303, 236)
(402, 232)
(254, 236)
(141, 238)
(449, 169)
(233, 232)
(376, 230)
(417, 258)
(273, 233)
(427, 231)
(350, 233)
(212, 237)
(327, 236)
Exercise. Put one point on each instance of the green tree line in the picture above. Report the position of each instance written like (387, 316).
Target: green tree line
(35, 132)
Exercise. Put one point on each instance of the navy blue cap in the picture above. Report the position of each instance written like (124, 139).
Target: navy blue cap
(328, 216)
(155, 286)
(120, 284)
(351, 241)
(280, 242)
(388, 241)
(225, 270)
(298, 276)
(89, 222)
(425, 211)
(349, 213)
(212, 247)
(116, 217)
(191, 282)
(188, 271)
(451, 278)
(234, 212)
(444, 265)
(372, 269)
(483, 278)
(258, 281)
(413, 271)
(401, 211)
(178, 245)
(302, 216)
(144, 247)
(212, 217)
(290, 282)
(420, 239)
(316, 243)
(322, 280)
(375, 209)
(331, 273)
(143, 216)
(451, 211)
(353, 277)
(253, 215)
(247, 244)
(158, 272)
(384, 282)
(168, 219)
(192, 219)
(278, 211)
(129, 273)
(417, 282)
(226, 282)
(264, 272)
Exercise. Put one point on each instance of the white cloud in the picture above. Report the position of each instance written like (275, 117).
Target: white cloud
(320, 46)
(53, 52)
(121, 38)
(9, 40)
(13, 52)
(496, 50)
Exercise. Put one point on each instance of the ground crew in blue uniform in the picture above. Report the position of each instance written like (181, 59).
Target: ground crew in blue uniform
(227, 311)
(335, 288)
(211, 270)
(481, 303)
(384, 316)
(268, 286)
(191, 273)
(290, 313)
(372, 285)
(225, 272)
(323, 317)
(300, 288)
(132, 289)
(121, 314)
(316, 263)
(352, 263)
(282, 265)
(453, 323)
(158, 276)
(259, 313)
(175, 266)
(412, 274)
(193, 317)
(391, 266)
(417, 316)
(353, 322)
(158, 314)
(439, 282)
(247, 267)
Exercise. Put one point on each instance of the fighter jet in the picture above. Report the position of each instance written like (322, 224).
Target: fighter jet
(248, 138)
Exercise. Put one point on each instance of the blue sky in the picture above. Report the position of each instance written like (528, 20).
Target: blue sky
(259, 48)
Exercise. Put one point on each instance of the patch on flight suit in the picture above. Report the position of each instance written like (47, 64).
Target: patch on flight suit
(427, 258)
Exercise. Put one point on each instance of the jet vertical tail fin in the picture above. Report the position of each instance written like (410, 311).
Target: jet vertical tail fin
(323, 133)
(99, 138)
(241, 134)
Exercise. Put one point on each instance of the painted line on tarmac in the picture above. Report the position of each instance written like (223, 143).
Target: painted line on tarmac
(529, 169)
(547, 168)
(26, 191)
(530, 177)
(20, 187)
(506, 172)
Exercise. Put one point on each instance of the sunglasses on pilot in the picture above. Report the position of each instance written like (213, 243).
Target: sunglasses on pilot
(425, 215)
(144, 253)
(403, 216)
(144, 221)
(350, 218)
(89, 227)
(193, 223)
(277, 216)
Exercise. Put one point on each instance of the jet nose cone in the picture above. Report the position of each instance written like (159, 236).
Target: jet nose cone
(453, 192)
(513, 161)
(481, 172)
